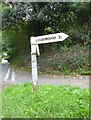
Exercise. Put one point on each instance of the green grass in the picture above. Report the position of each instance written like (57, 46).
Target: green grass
(18, 101)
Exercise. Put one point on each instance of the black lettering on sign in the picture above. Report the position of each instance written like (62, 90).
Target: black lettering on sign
(59, 37)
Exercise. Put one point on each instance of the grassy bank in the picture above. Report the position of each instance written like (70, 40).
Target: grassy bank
(48, 102)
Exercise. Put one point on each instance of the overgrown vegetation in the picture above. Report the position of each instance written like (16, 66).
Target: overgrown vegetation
(66, 61)
(0, 46)
(21, 20)
(48, 102)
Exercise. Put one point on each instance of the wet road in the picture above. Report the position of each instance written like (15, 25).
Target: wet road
(9, 76)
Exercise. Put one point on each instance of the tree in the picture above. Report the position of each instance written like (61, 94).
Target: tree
(33, 19)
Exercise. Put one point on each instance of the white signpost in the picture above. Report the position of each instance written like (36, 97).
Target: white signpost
(35, 49)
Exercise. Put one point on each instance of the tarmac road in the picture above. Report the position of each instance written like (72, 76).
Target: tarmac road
(9, 76)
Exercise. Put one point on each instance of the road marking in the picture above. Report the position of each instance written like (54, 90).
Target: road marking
(7, 75)
(13, 76)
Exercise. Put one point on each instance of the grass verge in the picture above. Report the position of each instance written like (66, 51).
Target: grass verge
(48, 102)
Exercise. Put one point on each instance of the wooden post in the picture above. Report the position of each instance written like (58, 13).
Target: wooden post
(34, 65)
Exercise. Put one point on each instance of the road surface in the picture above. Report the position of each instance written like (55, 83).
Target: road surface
(9, 76)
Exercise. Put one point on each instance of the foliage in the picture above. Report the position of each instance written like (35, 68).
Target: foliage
(67, 102)
(22, 20)
(66, 60)
(41, 18)
(0, 46)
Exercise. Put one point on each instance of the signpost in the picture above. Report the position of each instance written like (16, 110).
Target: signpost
(35, 49)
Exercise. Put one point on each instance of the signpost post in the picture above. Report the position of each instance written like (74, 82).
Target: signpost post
(34, 65)
(35, 48)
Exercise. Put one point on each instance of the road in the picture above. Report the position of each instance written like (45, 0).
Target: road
(9, 76)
